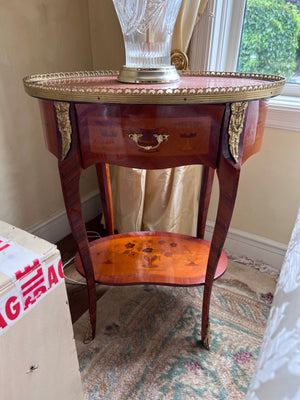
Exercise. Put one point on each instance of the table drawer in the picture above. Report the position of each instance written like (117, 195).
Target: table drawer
(149, 136)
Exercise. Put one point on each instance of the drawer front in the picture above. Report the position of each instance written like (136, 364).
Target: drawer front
(149, 136)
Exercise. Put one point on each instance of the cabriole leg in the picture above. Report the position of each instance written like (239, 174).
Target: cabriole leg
(228, 180)
(70, 175)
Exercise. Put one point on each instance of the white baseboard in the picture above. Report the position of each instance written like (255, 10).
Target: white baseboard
(57, 226)
(258, 248)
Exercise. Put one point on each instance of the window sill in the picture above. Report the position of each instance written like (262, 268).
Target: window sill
(284, 113)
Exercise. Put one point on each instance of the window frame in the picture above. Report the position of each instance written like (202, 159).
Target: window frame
(215, 46)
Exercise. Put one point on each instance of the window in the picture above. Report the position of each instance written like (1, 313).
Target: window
(270, 39)
(216, 43)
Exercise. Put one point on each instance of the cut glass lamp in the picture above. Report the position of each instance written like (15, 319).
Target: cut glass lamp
(147, 27)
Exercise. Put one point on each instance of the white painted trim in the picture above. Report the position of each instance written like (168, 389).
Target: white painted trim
(57, 226)
(284, 113)
(291, 89)
(234, 36)
(246, 244)
(215, 46)
(216, 38)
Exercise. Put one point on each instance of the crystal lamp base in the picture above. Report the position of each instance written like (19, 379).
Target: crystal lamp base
(148, 75)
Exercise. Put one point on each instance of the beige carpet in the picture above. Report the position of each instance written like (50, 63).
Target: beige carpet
(147, 341)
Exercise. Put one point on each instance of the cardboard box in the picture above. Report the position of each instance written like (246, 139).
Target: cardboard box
(38, 354)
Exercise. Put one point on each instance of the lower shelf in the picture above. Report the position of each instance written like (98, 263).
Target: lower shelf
(151, 257)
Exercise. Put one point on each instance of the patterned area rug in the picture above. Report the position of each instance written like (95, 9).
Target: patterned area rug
(147, 341)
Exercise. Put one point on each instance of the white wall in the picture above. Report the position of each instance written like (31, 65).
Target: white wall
(106, 36)
(36, 36)
(269, 191)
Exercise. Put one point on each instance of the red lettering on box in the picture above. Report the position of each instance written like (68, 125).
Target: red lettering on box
(3, 323)
(60, 269)
(4, 247)
(33, 286)
(12, 308)
(19, 274)
(36, 280)
(52, 277)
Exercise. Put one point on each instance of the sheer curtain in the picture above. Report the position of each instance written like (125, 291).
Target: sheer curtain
(161, 200)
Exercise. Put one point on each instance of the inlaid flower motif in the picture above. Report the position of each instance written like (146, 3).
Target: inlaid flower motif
(242, 357)
(129, 245)
(148, 250)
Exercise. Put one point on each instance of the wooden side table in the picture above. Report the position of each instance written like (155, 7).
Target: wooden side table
(213, 119)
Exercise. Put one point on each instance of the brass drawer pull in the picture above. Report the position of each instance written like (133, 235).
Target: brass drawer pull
(136, 137)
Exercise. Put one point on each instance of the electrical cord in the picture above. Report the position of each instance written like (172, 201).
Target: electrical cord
(90, 235)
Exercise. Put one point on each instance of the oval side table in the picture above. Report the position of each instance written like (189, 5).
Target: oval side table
(213, 119)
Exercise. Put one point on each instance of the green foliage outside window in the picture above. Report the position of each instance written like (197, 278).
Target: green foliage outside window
(270, 38)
